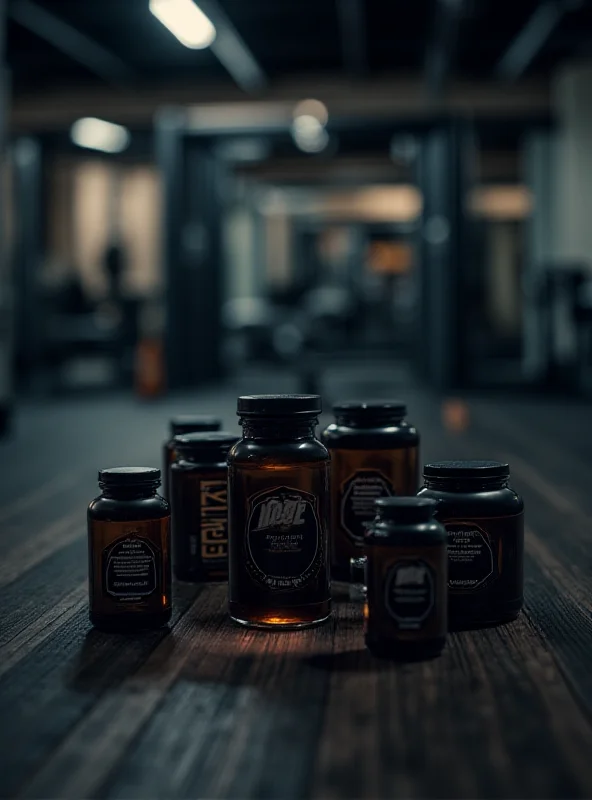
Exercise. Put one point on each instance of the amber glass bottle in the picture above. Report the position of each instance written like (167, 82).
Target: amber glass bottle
(185, 423)
(129, 551)
(199, 506)
(406, 569)
(374, 453)
(278, 504)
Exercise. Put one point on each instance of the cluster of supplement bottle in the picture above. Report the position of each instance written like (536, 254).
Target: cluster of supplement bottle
(278, 514)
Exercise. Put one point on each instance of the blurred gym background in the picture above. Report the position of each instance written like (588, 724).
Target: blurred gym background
(281, 193)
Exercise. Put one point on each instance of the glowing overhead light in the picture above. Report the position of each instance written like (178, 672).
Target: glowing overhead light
(98, 134)
(186, 21)
(312, 108)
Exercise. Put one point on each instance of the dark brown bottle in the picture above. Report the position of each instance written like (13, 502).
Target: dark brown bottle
(406, 575)
(278, 504)
(199, 506)
(484, 520)
(129, 551)
(184, 423)
(374, 453)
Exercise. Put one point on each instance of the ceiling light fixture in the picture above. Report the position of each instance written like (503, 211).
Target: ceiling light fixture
(98, 134)
(186, 21)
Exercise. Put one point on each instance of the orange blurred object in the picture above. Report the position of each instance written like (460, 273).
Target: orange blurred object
(149, 368)
(455, 415)
(394, 258)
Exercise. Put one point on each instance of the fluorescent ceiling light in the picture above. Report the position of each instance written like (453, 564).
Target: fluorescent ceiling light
(97, 134)
(186, 21)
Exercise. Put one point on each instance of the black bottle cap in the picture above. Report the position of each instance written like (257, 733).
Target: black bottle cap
(279, 405)
(371, 409)
(405, 509)
(129, 476)
(211, 446)
(187, 423)
(443, 470)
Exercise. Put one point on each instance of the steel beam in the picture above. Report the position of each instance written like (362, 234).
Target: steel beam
(232, 52)
(71, 41)
(352, 21)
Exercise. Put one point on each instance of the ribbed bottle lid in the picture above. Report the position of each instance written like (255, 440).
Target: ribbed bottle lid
(279, 405)
(187, 423)
(129, 476)
(405, 509)
(466, 469)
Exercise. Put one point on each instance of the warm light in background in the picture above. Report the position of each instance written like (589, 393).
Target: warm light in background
(455, 415)
(98, 134)
(390, 258)
(186, 21)
(501, 201)
(312, 108)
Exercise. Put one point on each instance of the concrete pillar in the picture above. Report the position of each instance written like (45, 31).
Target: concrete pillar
(572, 103)
(540, 176)
(6, 315)
(193, 190)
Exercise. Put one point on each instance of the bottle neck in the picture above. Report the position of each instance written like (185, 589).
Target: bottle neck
(128, 492)
(466, 485)
(279, 427)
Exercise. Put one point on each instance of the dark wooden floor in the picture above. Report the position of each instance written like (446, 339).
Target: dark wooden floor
(212, 711)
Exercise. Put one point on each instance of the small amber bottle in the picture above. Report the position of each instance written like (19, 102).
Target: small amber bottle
(278, 506)
(129, 551)
(374, 453)
(185, 423)
(199, 506)
(406, 575)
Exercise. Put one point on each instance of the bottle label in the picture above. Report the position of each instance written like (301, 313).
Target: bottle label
(213, 524)
(283, 538)
(410, 593)
(358, 494)
(130, 570)
(471, 561)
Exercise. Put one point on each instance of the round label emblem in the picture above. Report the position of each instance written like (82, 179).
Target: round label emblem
(130, 568)
(283, 538)
(470, 556)
(358, 494)
(409, 592)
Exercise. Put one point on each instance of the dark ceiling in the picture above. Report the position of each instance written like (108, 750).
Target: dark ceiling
(304, 37)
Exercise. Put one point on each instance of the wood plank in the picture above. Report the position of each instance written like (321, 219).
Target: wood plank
(250, 707)
(59, 534)
(43, 627)
(31, 595)
(52, 688)
(464, 725)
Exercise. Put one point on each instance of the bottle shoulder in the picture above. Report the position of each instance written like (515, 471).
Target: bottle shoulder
(193, 466)
(392, 437)
(500, 502)
(110, 508)
(254, 451)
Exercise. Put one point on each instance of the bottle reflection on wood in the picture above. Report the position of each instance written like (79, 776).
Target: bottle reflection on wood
(278, 505)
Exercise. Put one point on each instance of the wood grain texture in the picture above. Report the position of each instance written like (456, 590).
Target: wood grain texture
(211, 710)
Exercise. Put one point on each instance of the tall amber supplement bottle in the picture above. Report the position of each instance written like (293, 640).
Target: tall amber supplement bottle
(129, 551)
(374, 453)
(278, 503)
(484, 521)
(199, 504)
(185, 423)
(406, 571)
